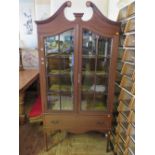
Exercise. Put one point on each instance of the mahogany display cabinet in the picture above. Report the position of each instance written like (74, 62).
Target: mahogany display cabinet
(77, 71)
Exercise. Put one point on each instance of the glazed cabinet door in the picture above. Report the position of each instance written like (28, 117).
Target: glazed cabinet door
(96, 54)
(59, 55)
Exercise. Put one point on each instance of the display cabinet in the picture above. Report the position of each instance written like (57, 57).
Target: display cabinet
(123, 137)
(77, 71)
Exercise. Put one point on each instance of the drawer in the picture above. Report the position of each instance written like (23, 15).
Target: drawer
(74, 122)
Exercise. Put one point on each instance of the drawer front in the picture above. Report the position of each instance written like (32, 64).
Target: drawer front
(76, 122)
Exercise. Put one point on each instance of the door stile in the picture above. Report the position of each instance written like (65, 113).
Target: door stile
(79, 68)
(76, 68)
(112, 73)
(42, 74)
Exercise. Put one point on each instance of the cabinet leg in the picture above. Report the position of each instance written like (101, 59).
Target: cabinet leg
(108, 142)
(46, 143)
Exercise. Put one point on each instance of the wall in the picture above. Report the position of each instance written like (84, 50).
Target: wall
(42, 9)
(27, 27)
(115, 6)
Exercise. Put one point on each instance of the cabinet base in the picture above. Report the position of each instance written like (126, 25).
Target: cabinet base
(77, 123)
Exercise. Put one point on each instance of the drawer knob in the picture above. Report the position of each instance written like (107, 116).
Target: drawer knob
(55, 122)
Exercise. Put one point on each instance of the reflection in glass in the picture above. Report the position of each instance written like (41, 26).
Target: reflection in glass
(96, 52)
(60, 64)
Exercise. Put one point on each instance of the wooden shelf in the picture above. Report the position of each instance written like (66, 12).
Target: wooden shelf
(125, 81)
(59, 56)
(129, 33)
(129, 62)
(94, 56)
(92, 73)
(58, 74)
(67, 89)
(128, 48)
(69, 73)
(65, 93)
(92, 92)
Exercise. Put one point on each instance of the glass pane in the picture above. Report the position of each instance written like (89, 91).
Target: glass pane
(96, 52)
(60, 64)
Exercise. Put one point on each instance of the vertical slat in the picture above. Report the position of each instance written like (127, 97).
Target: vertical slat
(112, 75)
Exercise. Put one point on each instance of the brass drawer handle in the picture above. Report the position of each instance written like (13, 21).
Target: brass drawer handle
(55, 122)
(100, 123)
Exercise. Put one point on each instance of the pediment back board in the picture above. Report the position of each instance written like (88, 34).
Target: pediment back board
(58, 22)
